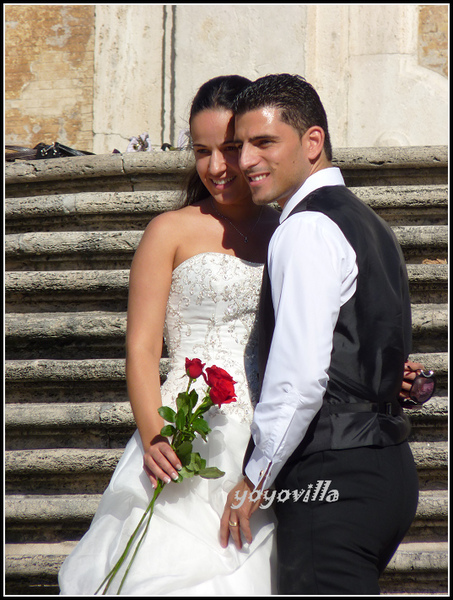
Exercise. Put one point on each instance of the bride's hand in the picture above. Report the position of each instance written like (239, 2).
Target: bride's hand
(160, 461)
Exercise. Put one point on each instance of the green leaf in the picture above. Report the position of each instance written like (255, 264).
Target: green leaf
(180, 420)
(182, 402)
(167, 431)
(192, 400)
(193, 462)
(184, 450)
(185, 473)
(167, 413)
(201, 427)
(186, 461)
(211, 473)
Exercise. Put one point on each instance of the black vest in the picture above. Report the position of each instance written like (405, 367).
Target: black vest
(372, 337)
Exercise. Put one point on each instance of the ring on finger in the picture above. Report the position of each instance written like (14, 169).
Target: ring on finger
(233, 523)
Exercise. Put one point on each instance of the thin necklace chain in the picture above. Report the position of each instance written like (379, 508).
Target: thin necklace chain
(245, 237)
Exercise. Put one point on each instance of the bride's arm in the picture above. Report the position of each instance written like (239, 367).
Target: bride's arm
(149, 286)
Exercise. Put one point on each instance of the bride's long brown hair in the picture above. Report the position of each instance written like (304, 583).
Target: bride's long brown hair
(218, 92)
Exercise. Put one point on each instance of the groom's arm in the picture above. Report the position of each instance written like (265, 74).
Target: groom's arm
(313, 272)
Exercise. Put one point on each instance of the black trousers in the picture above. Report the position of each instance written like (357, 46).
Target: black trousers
(354, 508)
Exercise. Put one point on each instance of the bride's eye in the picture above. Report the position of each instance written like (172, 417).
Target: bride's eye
(201, 152)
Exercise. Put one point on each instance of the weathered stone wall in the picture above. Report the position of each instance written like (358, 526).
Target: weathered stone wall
(49, 68)
(433, 38)
(92, 76)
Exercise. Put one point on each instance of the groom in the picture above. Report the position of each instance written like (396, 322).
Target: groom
(335, 333)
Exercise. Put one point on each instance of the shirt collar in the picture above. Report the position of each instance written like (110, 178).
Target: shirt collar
(324, 177)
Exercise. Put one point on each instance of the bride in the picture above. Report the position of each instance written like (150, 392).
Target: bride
(195, 278)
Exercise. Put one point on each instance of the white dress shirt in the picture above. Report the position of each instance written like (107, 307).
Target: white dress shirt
(313, 272)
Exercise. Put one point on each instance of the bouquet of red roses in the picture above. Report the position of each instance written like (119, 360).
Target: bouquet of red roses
(184, 425)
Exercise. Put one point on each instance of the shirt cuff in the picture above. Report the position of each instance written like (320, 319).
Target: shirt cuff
(258, 467)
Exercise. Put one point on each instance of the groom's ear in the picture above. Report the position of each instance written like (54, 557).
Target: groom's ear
(313, 140)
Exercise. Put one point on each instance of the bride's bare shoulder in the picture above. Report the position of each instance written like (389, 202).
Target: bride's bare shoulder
(169, 219)
(167, 229)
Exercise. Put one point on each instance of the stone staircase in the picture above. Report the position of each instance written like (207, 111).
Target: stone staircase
(72, 226)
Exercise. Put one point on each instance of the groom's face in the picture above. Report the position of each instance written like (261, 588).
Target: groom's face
(271, 155)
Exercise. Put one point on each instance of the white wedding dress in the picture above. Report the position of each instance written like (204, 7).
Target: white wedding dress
(211, 315)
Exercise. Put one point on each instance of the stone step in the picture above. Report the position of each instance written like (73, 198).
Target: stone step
(407, 204)
(45, 291)
(89, 380)
(30, 291)
(88, 471)
(67, 250)
(431, 459)
(430, 327)
(419, 243)
(82, 425)
(62, 471)
(66, 517)
(47, 380)
(428, 283)
(71, 250)
(417, 568)
(109, 424)
(132, 171)
(66, 335)
(422, 205)
(423, 165)
(93, 380)
(101, 334)
(427, 165)
(59, 518)
(430, 422)
(431, 522)
(32, 569)
(55, 401)
(108, 210)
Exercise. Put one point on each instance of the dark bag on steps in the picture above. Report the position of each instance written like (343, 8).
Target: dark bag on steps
(41, 151)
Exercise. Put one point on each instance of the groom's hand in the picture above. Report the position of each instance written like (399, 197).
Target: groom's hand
(410, 372)
(239, 507)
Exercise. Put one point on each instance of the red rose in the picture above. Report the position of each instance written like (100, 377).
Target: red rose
(221, 384)
(194, 368)
(222, 393)
(215, 374)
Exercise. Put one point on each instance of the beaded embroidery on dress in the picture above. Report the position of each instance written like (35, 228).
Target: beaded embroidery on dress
(211, 315)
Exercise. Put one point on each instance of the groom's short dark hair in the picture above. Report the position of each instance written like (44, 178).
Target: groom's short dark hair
(298, 101)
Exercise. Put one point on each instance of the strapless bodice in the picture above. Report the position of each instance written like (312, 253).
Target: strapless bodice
(212, 315)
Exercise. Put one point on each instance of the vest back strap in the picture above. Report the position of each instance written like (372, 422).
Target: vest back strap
(353, 407)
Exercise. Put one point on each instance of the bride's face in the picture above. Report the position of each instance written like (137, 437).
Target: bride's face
(216, 156)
